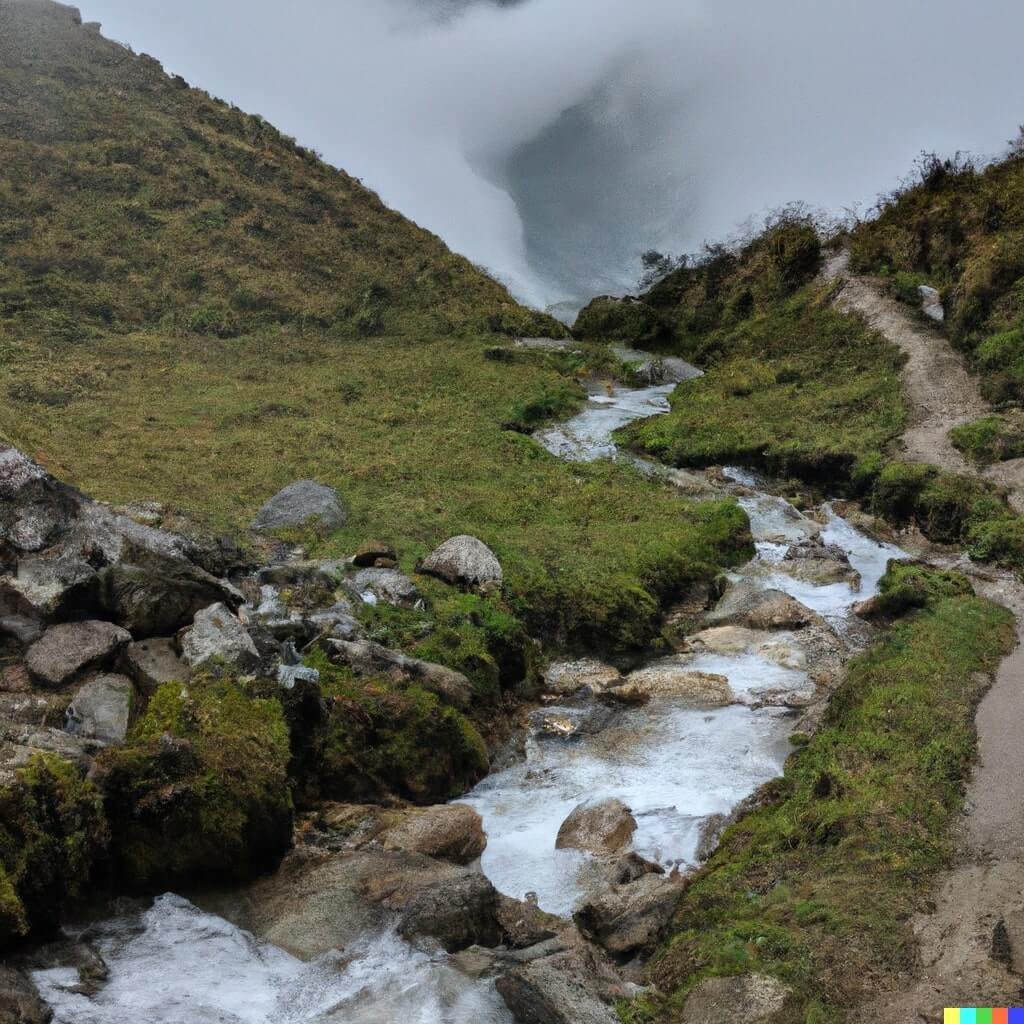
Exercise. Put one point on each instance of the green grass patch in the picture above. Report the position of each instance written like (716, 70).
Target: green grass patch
(991, 439)
(818, 885)
(799, 389)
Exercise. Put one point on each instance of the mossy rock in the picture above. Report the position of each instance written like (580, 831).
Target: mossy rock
(52, 832)
(201, 789)
(910, 585)
(381, 740)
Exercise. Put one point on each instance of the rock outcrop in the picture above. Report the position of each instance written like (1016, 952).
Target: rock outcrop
(599, 828)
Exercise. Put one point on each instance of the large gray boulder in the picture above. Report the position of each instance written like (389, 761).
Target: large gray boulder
(464, 561)
(102, 709)
(746, 997)
(671, 679)
(389, 586)
(154, 662)
(217, 637)
(755, 608)
(302, 502)
(630, 919)
(20, 1002)
(558, 989)
(603, 827)
(65, 650)
(366, 658)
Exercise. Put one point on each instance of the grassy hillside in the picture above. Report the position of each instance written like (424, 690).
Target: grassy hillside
(960, 228)
(196, 310)
(791, 384)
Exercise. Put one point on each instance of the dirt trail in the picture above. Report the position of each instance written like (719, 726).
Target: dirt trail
(986, 884)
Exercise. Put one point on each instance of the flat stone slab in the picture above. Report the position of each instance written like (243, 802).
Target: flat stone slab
(65, 650)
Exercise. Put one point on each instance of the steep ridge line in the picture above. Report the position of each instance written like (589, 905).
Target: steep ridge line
(986, 884)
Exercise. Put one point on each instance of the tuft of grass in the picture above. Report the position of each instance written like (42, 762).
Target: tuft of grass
(818, 884)
(991, 439)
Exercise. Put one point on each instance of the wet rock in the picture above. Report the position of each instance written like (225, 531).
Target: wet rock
(603, 827)
(318, 902)
(563, 678)
(464, 561)
(819, 564)
(20, 1002)
(525, 925)
(476, 962)
(559, 989)
(780, 650)
(151, 663)
(78, 954)
(101, 709)
(747, 997)
(451, 832)
(367, 658)
(21, 628)
(630, 919)
(710, 833)
(565, 723)
(217, 636)
(67, 649)
(373, 586)
(670, 679)
(755, 608)
(373, 551)
(302, 502)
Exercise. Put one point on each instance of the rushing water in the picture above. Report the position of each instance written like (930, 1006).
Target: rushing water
(673, 765)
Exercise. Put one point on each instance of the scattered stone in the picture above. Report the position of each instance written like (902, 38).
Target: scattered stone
(629, 919)
(67, 649)
(217, 636)
(603, 827)
(670, 679)
(747, 605)
(151, 663)
(464, 561)
(367, 658)
(21, 628)
(747, 997)
(101, 709)
(566, 677)
(300, 503)
(524, 924)
(931, 303)
(289, 676)
(458, 912)
(31, 709)
(370, 553)
(389, 586)
(20, 743)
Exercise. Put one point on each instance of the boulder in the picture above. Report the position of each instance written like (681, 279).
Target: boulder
(629, 919)
(746, 997)
(20, 743)
(151, 663)
(525, 924)
(372, 552)
(215, 636)
(558, 989)
(366, 658)
(464, 561)
(20, 1002)
(373, 586)
(101, 709)
(563, 678)
(670, 679)
(599, 828)
(565, 723)
(21, 628)
(458, 912)
(451, 832)
(65, 650)
(302, 502)
(756, 608)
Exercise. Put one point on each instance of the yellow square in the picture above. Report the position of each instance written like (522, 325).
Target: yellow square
(951, 1016)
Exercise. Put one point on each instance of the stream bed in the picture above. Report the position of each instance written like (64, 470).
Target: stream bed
(675, 765)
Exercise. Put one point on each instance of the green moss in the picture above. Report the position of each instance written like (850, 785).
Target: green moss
(558, 401)
(201, 788)
(990, 439)
(907, 586)
(384, 740)
(52, 832)
(817, 886)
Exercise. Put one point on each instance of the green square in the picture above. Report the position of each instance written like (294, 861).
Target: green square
(984, 1016)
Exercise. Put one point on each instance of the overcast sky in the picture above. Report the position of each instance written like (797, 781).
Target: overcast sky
(555, 140)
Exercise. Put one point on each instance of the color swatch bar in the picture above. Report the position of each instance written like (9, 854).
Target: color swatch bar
(974, 1015)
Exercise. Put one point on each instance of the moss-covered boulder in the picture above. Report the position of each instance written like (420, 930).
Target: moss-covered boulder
(907, 586)
(201, 789)
(52, 831)
(381, 739)
(630, 320)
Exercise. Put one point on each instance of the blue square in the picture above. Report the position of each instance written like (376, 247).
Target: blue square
(1016, 1015)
